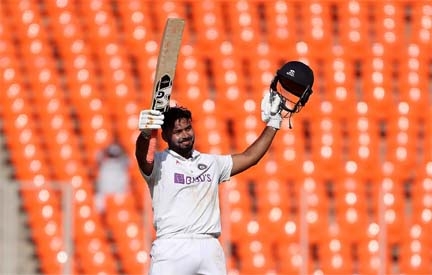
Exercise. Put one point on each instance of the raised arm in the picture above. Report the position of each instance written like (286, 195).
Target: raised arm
(290, 91)
(148, 123)
(270, 113)
(141, 149)
(254, 152)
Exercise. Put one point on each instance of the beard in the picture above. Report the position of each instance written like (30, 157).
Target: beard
(183, 147)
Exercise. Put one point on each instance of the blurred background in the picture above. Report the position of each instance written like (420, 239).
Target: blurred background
(348, 190)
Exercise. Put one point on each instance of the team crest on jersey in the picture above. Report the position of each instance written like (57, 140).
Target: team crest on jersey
(202, 166)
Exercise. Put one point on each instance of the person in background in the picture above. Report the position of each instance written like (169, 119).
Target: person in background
(113, 174)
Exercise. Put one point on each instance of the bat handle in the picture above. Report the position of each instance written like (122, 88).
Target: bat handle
(152, 147)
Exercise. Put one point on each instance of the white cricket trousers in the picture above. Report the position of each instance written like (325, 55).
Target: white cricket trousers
(188, 255)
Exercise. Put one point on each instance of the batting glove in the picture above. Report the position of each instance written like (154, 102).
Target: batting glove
(271, 110)
(150, 120)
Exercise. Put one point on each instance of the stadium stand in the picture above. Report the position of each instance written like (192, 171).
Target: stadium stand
(346, 191)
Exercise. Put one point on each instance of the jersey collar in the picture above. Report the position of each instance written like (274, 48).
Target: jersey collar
(195, 155)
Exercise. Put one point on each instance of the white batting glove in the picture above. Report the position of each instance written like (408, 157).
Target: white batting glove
(271, 110)
(150, 120)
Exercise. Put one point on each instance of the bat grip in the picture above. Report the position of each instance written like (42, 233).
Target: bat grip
(152, 147)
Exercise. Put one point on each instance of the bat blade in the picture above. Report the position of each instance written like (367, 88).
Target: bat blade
(165, 71)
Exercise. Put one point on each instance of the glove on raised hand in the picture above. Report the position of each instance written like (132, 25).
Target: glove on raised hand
(270, 110)
(150, 120)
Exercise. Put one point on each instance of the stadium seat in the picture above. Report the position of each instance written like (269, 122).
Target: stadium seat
(255, 257)
(421, 201)
(237, 206)
(243, 24)
(353, 25)
(335, 256)
(389, 207)
(390, 27)
(313, 206)
(326, 151)
(351, 208)
(227, 70)
(136, 19)
(214, 137)
(421, 32)
(414, 250)
(96, 262)
(272, 192)
(293, 258)
(125, 224)
(316, 25)
(170, 8)
(281, 24)
(261, 66)
(191, 85)
(208, 23)
(372, 254)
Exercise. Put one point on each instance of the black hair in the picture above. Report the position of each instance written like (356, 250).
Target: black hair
(173, 114)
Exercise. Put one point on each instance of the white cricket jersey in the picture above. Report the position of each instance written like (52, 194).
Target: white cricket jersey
(185, 192)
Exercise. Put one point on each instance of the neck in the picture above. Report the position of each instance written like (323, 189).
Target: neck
(185, 154)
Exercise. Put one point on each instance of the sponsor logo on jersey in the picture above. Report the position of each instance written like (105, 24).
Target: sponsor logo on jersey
(182, 179)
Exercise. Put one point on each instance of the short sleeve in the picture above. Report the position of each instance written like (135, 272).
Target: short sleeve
(225, 164)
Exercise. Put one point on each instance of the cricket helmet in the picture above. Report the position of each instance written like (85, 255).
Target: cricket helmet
(293, 82)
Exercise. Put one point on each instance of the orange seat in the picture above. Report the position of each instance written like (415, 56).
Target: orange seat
(371, 254)
(208, 23)
(414, 250)
(166, 9)
(136, 19)
(273, 192)
(98, 262)
(256, 257)
(312, 208)
(351, 204)
(389, 28)
(236, 208)
(421, 32)
(335, 257)
(316, 28)
(191, 83)
(353, 24)
(293, 258)
(244, 21)
(389, 203)
(281, 24)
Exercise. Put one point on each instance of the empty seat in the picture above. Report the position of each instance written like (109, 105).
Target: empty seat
(256, 257)
(421, 32)
(316, 24)
(136, 19)
(353, 24)
(389, 207)
(280, 18)
(208, 23)
(335, 256)
(243, 24)
(390, 25)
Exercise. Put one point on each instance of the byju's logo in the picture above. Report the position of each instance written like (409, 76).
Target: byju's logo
(182, 179)
(179, 178)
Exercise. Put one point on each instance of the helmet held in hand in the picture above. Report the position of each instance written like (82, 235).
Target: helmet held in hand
(293, 82)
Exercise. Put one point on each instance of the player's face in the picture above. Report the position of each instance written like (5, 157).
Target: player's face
(181, 138)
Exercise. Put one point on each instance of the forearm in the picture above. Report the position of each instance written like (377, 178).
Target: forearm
(141, 150)
(261, 145)
(253, 154)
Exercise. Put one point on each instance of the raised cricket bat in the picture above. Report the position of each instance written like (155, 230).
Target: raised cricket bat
(165, 71)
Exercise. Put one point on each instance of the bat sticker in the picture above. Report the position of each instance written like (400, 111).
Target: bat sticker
(162, 93)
